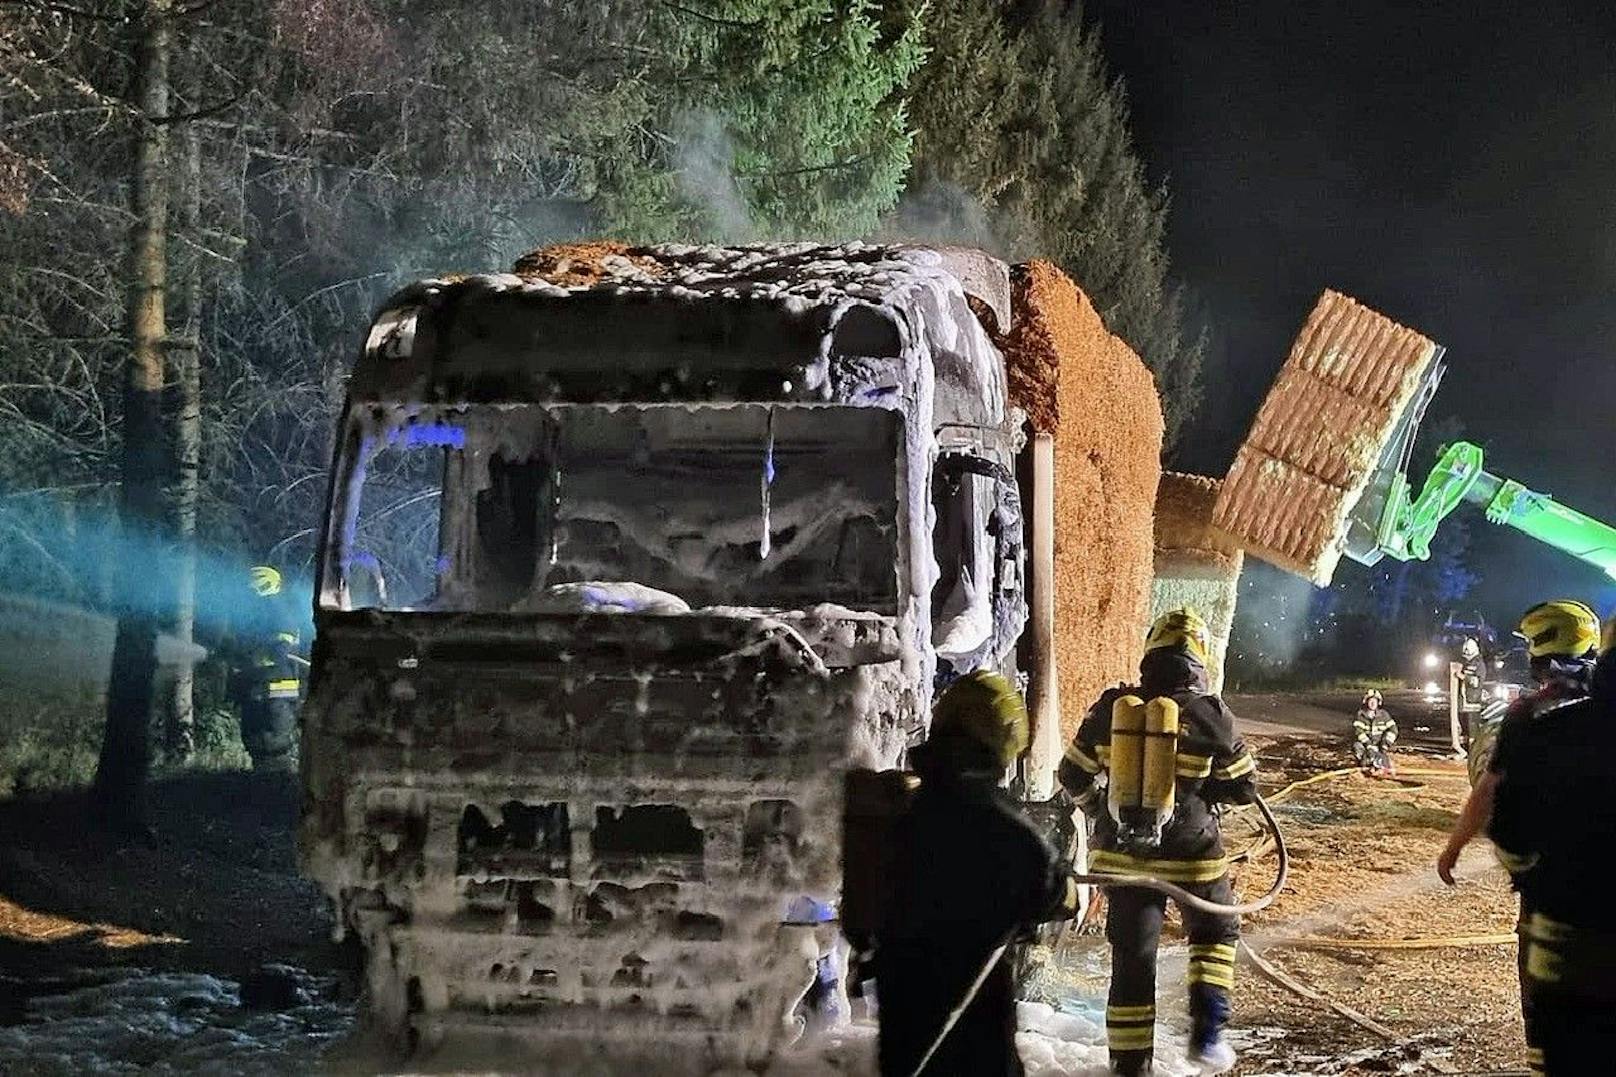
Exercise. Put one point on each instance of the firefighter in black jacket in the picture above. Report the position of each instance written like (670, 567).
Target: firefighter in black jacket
(1210, 767)
(1472, 684)
(1373, 733)
(266, 676)
(1546, 804)
(968, 870)
(1552, 811)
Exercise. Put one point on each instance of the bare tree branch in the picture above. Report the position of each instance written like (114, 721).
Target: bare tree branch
(56, 8)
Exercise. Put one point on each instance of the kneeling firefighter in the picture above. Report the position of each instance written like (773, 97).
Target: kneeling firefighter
(1374, 731)
(266, 678)
(1148, 766)
(966, 871)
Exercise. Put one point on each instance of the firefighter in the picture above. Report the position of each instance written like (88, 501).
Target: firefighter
(266, 678)
(1373, 734)
(968, 872)
(1552, 811)
(1211, 767)
(1483, 736)
(823, 1002)
(1562, 641)
(1472, 684)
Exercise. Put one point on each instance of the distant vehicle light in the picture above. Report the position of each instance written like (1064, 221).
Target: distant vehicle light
(1432, 661)
(1432, 688)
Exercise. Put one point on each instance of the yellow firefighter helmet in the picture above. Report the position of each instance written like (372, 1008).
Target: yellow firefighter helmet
(266, 581)
(1181, 629)
(1560, 629)
(986, 707)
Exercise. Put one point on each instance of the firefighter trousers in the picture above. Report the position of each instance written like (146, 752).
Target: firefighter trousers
(1133, 928)
(1575, 1033)
(1568, 995)
(1523, 949)
(269, 733)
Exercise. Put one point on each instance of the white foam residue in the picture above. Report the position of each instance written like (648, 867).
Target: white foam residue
(168, 1023)
(606, 596)
(1053, 1043)
(187, 1023)
(563, 925)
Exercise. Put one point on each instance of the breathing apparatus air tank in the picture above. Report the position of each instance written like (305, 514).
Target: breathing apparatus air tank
(1144, 765)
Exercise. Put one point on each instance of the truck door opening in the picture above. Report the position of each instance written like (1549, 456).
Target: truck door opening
(977, 603)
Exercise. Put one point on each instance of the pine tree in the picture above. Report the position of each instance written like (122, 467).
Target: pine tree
(778, 119)
(1016, 109)
(120, 776)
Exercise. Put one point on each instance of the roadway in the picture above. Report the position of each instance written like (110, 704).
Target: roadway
(1329, 714)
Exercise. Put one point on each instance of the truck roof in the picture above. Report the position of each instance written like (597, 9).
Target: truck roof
(803, 323)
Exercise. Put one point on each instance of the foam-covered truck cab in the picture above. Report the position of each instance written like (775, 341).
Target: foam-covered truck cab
(629, 557)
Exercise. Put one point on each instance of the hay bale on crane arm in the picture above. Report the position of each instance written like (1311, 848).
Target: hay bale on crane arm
(1351, 375)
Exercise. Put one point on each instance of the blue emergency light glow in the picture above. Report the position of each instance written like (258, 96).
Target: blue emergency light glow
(446, 435)
(597, 598)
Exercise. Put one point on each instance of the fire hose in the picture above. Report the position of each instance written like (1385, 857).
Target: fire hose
(1213, 908)
(1143, 882)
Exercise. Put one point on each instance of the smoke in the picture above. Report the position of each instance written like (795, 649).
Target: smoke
(1272, 622)
(938, 211)
(704, 172)
(84, 566)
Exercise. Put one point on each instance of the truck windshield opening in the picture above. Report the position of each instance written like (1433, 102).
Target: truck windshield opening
(502, 508)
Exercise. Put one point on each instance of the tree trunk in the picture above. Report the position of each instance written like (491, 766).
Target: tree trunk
(120, 778)
(186, 355)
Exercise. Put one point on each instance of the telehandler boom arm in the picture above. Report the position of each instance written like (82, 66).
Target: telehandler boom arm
(1407, 524)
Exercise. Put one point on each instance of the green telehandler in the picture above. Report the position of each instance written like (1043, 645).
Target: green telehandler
(1391, 521)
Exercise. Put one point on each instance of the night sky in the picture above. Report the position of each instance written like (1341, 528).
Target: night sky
(1450, 164)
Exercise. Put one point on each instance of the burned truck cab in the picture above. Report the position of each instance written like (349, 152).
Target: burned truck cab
(625, 565)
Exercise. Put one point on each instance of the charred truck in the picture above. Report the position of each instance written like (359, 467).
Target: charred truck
(625, 565)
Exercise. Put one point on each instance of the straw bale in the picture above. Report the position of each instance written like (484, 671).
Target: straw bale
(1032, 368)
(1107, 423)
(1184, 506)
(1313, 447)
(1207, 581)
(576, 265)
(1196, 564)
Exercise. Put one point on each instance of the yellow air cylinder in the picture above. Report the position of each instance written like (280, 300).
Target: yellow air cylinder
(1127, 756)
(1160, 770)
